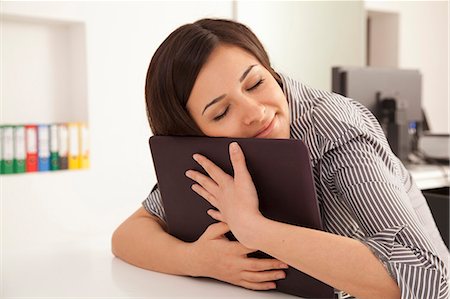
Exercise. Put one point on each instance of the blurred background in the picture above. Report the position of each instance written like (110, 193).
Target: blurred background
(87, 62)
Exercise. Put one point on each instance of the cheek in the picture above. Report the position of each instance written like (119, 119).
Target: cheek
(281, 99)
(276, 96)
(229, 128)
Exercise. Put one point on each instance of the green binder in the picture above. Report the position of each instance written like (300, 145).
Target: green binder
(7, 150)
(19, 149)
(1, 149)
(54, 156)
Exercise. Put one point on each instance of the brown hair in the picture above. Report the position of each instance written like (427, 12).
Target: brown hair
(175, 66)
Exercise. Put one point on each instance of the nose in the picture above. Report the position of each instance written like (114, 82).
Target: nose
(252, 111)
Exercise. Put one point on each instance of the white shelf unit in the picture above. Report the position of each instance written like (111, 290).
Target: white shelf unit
(43, 71)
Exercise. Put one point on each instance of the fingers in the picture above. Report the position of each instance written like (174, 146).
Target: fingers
(262, 286)
(255, 264)
(263, 276)
(215, 172)
(205, 194)
(202, 179)
(262, 280)
(215, 215)
(216, 231)
(238, 161)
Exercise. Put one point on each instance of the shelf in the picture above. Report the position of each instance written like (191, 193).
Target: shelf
(43, 71)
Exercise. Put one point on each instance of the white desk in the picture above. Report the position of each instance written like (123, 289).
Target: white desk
(47, 255)
(430, 176)
(87, 269)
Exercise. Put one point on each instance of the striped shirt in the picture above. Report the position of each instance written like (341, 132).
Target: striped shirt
(363, 189)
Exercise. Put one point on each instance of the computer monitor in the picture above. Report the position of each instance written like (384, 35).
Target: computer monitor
(392, 95)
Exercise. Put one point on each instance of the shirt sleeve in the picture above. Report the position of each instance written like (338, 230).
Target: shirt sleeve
(153, 204)
(376, 196)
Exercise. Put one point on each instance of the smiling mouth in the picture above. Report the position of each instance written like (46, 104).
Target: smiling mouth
(266, 131)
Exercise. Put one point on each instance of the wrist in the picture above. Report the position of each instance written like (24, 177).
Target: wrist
(192, 260)
(188, 259)
(252, 231)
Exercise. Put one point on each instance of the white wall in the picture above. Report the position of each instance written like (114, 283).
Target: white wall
(382, 39)
(36, 72)
(47, 209)
(50, 208)
(423, 45)
(305, 39)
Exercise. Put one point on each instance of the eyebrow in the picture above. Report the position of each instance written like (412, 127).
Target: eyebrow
(222, 96)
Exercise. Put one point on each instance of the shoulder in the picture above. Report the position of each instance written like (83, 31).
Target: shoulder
(328, 113)
(326, 120)
(337, 118)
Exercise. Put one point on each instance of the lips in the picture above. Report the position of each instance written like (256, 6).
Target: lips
(266, 129)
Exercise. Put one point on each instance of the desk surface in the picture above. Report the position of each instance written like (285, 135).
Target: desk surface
(429, 176)
(82, 270)
(42, 256)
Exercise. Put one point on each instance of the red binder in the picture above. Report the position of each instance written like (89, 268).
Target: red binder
(31, 146)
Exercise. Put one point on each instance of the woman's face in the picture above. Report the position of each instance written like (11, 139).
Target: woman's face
(235, 96)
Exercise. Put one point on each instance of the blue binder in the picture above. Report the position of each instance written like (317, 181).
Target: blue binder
(44, 147)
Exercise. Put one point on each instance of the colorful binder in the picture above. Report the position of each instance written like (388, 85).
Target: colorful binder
(19, 149)
(44, 148)
(31, 160)
(7, 150)
(63, 146)
(74, 146)
(1, 149)
(54, 156)
(84, 146)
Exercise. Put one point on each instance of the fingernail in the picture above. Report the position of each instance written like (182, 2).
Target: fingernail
(284, 266)
(281, 275)
(234, 147)
(195, 157)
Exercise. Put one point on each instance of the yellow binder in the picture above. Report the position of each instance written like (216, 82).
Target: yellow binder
(74, 146)
(84, 146)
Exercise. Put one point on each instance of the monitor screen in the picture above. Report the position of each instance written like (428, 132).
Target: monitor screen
(392, 95)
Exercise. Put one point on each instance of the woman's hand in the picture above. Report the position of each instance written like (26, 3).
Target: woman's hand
(235, 198)
(213, 255)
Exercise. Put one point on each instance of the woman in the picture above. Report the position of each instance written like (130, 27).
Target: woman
(214, 78)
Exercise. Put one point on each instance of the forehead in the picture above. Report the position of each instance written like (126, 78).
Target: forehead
(223, 69)
(227, 58)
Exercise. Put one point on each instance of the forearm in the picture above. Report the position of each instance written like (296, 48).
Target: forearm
(341, 262)
(142, 242)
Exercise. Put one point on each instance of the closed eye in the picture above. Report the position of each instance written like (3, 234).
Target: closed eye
(219, 117)
(256, 85)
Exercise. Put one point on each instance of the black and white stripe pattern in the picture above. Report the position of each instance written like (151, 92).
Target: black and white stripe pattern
(364, 191)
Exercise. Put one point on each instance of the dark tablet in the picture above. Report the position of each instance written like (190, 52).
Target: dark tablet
(282, 175)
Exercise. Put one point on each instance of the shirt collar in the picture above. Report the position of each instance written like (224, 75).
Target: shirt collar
(292, 91)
